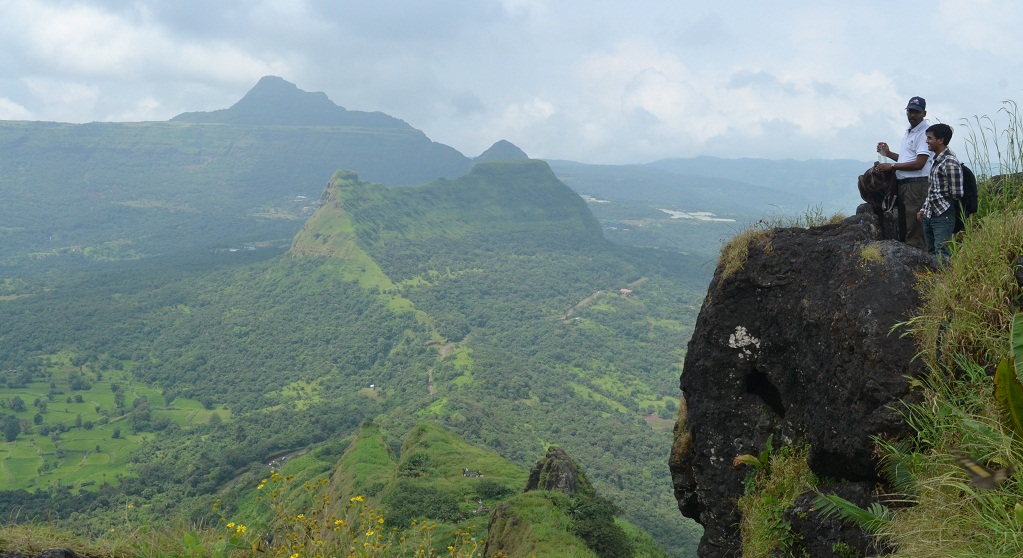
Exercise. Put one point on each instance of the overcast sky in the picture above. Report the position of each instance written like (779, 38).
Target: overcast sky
(586, 80)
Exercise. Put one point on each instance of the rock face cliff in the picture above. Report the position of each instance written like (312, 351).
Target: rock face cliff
(796, 343)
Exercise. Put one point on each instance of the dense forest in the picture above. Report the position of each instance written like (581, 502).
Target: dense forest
(490, 304)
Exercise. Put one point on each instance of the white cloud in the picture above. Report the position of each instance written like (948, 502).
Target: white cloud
(597, 81)
(980, 25)
(536, 111)
(86, 41)
(63, 100)
(146, 109)
(9, 110)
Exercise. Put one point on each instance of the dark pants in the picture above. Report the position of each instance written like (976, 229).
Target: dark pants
(938, 233)
(911, 197)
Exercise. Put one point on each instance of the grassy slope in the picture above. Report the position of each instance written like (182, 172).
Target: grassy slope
(963, 328)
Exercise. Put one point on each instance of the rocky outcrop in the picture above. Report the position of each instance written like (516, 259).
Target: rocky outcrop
(510, 531)
(797, 343)
(557, 472)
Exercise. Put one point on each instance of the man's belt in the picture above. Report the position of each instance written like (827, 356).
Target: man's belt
(911, 179)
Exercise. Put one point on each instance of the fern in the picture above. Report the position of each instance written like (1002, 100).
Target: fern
(899, 464)
(873, 520)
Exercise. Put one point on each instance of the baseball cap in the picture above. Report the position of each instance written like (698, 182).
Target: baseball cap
(917, 103)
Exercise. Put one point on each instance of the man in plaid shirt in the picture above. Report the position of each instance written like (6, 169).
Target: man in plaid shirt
(945, 185)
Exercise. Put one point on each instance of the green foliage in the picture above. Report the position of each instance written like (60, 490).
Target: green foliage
(408, 500)
(1009, 396)
(770, 491)
(874, 519)
(499, 318)
(489, 489)
(86, 195)
(537, 524)
(594, 523)
(1008, 378)
(843, 550)
(1016, 345)
(966, 327)
(761, 461)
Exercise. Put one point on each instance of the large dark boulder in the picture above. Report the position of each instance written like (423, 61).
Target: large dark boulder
(797, 343)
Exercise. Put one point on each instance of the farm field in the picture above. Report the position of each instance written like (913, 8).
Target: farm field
(77, 429)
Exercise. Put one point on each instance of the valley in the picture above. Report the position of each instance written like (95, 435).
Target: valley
(183, 302)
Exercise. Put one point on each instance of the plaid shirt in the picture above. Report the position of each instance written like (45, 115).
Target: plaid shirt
(945, 184)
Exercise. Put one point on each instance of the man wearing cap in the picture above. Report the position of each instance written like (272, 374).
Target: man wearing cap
(912, 166)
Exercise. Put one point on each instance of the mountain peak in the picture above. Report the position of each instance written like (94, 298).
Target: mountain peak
(274, 90)
(274, 101)
(503, 150)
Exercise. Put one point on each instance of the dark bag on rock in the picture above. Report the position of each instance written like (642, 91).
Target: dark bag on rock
(878, 188)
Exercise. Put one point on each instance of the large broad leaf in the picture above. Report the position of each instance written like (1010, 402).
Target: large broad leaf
(1009, 395)
(1016, 341)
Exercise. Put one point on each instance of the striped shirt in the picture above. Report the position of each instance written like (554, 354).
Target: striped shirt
(945, 184)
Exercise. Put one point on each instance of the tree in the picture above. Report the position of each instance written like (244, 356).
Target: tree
(11, 427)
(17, 404)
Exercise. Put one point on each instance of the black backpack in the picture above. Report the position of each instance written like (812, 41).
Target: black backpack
(966, 205)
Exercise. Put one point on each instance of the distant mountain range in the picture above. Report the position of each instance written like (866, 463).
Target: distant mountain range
(83, 194)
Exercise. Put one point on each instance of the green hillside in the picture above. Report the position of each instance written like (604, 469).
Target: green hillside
(489, 304)
(84, 195)
(432, 495)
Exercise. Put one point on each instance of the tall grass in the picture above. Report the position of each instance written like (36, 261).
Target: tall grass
(994, 148)
(963, 332)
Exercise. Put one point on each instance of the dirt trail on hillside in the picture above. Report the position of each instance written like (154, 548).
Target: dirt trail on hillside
(581, 303)
(443, 352)
(592, 297)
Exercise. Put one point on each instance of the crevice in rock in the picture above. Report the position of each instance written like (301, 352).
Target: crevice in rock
(760, 385)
